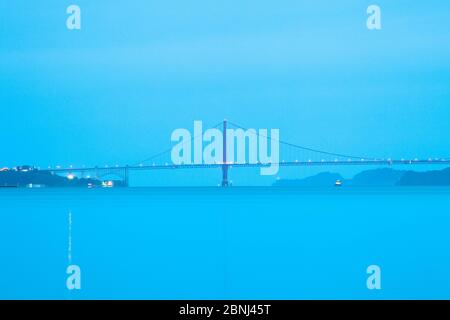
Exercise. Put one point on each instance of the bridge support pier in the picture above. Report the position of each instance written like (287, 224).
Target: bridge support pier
(126, 179)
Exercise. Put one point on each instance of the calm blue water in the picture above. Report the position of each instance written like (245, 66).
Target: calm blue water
(211, 243)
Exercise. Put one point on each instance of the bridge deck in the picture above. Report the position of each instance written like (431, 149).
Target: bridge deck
(254, 165)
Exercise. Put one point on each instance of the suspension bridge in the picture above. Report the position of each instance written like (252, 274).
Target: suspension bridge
(299, 156)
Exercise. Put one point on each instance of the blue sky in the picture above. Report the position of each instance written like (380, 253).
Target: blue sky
(115, 90)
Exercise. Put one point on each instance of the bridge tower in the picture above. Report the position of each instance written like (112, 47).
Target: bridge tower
(224, 164)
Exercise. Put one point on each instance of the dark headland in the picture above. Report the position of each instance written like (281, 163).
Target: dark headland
(27, 176)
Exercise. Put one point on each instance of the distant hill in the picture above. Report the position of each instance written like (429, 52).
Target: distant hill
(319, 180)
(376, 177)
(428, 178)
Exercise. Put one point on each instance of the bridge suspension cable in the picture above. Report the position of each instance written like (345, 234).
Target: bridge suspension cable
(157, 155)
(307, 148)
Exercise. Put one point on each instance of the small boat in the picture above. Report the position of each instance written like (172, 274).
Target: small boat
(338, 183)
(108, 184)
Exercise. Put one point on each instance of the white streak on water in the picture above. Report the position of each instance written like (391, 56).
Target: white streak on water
(69, 249)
